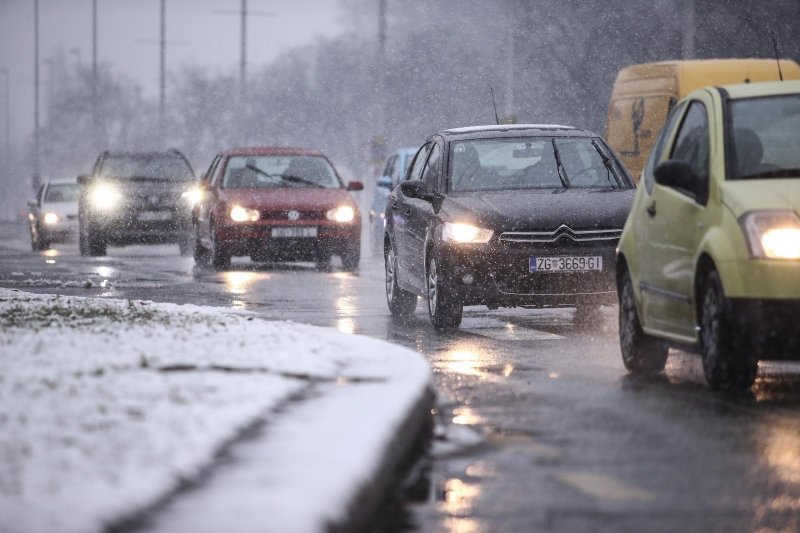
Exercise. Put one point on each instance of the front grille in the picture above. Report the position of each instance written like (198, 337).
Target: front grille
(563, 232)
(284, 215)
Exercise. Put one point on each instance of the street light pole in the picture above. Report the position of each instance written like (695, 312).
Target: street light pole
(162, 69)
(95, 106)
(7, 116)
(36, 133)
(243, 54)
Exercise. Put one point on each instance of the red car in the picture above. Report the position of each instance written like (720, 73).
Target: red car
(276, 204)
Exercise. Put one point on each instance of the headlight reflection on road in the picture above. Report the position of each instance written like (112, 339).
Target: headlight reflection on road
(458, 497)
(238, 283)
(460, 361)
(345, 310)
(51, 253)
(105, 271)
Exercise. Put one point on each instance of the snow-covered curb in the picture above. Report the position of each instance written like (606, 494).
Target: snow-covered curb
(109, 406)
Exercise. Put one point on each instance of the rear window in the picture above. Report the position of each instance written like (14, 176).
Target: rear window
(148, 167)
(62, 192)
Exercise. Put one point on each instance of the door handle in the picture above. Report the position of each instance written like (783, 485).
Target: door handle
(407, 213)
(651, 209)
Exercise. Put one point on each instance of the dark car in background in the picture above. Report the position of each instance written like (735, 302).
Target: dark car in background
(393, 171)
(505, 216)
(53, 215)
(136, 198)
(276, 204)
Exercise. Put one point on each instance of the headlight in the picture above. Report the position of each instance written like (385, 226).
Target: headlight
(772, 234)
(465, 233)
(104, 197)
(243, 214)
(50, 218)
(342, 214)
(192, 196)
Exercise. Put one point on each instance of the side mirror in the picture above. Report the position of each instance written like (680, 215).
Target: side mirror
(355, 186)
(415, 189)
(33, 203)
(83, 178)
(676, 174)
(384, 182)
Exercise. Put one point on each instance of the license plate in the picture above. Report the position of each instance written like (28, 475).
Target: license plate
(288, 233)
(565, 264)
(152, 216)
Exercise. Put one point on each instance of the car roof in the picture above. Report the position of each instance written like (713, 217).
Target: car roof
(167, 153)
(503, 130)
(271, 150)
(754, 90)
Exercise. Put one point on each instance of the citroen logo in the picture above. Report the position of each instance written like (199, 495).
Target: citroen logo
(563, 231)
(293, 215)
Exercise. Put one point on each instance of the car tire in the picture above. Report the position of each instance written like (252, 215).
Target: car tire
(444, 310)
(219, 257)
(728, 360)
(37, 242)
(350, 259)
(402, 303)
(200, 253)
(641, 353)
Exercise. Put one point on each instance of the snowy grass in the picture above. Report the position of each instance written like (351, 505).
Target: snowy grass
(107, 406)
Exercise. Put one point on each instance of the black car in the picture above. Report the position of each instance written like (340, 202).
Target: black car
(506, 216)
(136, 198)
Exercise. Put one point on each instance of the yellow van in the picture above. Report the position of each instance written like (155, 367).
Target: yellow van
(643, 96)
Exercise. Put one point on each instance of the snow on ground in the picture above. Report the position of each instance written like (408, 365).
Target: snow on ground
(108, 406)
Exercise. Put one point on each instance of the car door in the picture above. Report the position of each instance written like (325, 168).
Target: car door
(400, 212)
(420, 217)
(675, 226)
(206, 204)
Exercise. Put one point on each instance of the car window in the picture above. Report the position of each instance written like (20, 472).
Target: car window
(279, 171)
(415, 172)
(163, 167)
(692, 143)
(586, 167)
(389, 167)
(210, 172)
(62, 192)
(658, 149)
(765, 134)
(431, 173)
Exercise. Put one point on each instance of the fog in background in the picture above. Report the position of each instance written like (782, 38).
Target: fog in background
(354, 96)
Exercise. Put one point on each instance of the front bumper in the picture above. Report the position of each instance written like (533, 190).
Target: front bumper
(501, 277)
(761, 279)
(132, 227)
(770, 326)
(61, 231)
(256, 240)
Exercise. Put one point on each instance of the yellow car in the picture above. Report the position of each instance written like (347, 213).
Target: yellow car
(710, 255)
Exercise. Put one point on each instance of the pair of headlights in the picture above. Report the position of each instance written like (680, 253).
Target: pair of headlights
(107, 197)
(342, 214)
(772, 234)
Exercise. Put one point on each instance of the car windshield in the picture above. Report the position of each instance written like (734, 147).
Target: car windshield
(166, 167)
(532, 163)
(273, 171)
(62, 192)
(766, 134)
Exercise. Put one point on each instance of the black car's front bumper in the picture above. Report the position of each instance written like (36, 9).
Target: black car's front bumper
(129, 227)
(498, 274)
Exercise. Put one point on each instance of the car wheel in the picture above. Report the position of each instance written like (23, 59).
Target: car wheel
(200, 253)
(351, 259)
(641, 353)
(727, 363)
(37, 242)
(401, 303)
(445, 312)
(219, 256)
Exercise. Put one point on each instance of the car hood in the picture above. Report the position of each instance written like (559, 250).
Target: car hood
(521, 210)
(62, 209)
(288, 198)
(742, 196)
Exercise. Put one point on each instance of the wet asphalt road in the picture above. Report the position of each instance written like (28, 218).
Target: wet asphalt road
(544, 430)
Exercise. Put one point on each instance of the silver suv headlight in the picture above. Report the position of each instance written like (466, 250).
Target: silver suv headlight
(105, 196)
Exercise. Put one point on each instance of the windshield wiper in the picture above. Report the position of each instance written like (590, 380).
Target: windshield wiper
(776, 173)
(562, 173)
(282, 178)
(607, 163)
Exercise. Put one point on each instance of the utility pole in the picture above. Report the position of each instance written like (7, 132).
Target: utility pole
(243, 13)
(161, 79)
(36, 139)
(6, 116)
(95, 105)
(381, 67)
(687, 42)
